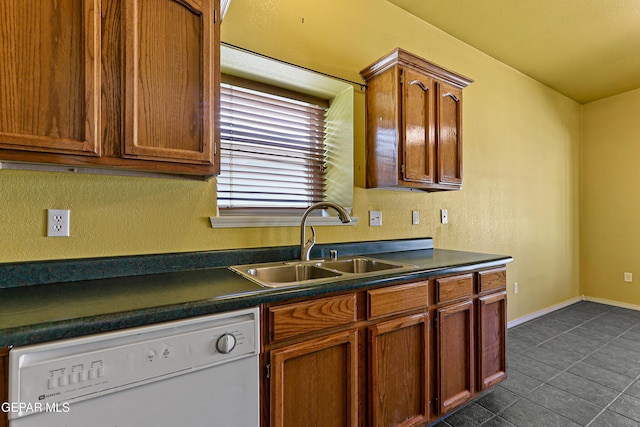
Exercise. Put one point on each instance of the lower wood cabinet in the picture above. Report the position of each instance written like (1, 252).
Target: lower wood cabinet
(314, 383)
(492, 328)
(399, 372)
(4, 383)
(401, 355)
(455, 355)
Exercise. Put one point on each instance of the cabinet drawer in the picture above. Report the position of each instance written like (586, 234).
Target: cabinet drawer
(490, 280)
(290, 320)
(454, 288)
(396, 299)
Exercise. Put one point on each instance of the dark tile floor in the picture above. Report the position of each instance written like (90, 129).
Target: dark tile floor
(578, 366)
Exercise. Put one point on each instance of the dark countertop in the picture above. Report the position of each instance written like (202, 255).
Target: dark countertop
(39, 313)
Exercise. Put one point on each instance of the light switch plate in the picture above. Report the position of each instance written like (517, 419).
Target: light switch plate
(415, 217)
(444, 216)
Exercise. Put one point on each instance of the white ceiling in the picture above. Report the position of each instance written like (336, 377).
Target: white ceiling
(584, 49)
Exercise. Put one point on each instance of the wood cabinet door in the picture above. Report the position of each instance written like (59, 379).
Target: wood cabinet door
(383, 132)
(4, 383)
(398, 371)
(455, 355)
(50, 76)
(492, 327)
(314, 383)
(418, 134)
(172, 79)
(449, 134)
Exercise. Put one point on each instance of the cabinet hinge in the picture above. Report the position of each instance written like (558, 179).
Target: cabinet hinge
(215, 16)
(402, 169)
(215, 149)
(402, 77)
(435, 323)
(268, 370)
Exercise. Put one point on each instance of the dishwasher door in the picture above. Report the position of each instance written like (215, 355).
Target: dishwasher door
(195, 373)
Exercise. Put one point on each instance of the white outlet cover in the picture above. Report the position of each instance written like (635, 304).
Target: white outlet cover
(375, 218)
(58, 222)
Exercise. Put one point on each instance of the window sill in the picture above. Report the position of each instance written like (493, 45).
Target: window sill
(274, 221)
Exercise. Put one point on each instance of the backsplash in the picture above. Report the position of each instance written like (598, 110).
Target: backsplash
(58, 271)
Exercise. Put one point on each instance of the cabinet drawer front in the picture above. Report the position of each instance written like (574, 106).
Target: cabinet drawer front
(490, 280)
(305, 317)
(453, 288)
(396, 299)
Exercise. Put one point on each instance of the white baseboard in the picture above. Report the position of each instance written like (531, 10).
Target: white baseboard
(544, 311)
(566, 303)
(612, 302)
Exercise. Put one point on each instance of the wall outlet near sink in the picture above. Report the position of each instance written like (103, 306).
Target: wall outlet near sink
(375, 218)
(58, 222)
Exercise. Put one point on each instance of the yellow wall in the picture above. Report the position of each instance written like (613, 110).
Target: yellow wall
(520, 193)
(610, 233)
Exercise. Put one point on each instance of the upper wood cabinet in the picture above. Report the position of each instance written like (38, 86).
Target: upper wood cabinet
(120, 84)
(50, 76)
(171, 65)
(414, 124)
(449, 134)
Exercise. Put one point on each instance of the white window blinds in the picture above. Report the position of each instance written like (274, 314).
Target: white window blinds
(272, 150)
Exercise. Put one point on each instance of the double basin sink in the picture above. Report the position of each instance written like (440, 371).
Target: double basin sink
(294, 273)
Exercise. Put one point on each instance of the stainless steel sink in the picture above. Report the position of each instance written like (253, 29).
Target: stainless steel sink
(290, 273)
(294, 273)
(358, 265)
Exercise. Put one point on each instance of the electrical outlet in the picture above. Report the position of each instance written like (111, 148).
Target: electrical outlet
(415, 217)
(515, 287)
(444, 216)
(375, 218)
(58, 222)
(628, 277)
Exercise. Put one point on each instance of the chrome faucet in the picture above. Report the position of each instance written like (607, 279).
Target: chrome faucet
(306, 245)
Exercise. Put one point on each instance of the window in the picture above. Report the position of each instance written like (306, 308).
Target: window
(247, 199)
(272, 147)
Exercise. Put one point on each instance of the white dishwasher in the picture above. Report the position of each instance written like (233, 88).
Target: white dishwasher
(197, 372)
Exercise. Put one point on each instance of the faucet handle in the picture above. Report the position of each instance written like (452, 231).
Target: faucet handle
(312, 239)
